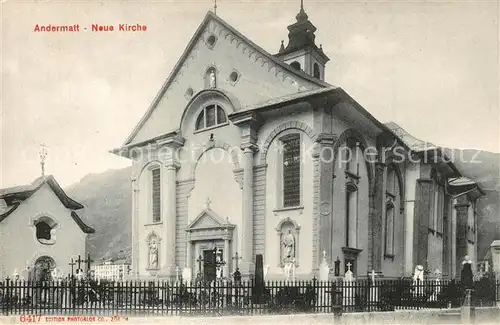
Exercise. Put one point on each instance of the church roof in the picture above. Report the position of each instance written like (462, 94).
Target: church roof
(459, 183)
(413, 143)
(208, 17)
(12, 197)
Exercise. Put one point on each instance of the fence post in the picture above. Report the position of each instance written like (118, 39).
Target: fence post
(468, 311)
(336, 293)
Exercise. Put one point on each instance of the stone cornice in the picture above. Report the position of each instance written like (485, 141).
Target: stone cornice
(173, 141)
(326, 138)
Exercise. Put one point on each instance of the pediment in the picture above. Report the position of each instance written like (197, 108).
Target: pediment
(208, 219)
(262, 77)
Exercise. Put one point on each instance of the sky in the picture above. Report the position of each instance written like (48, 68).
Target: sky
(432, 67)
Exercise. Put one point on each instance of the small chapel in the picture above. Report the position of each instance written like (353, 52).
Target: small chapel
(41, 230)
(245, 153)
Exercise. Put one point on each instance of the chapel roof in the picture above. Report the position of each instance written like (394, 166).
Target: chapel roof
(12, 197)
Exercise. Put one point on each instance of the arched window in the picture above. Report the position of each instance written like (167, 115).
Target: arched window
(316, 72)
(295, 65)
(156, 194)
(44, 230)
(393, 195)
(352, 156)
(211, 116)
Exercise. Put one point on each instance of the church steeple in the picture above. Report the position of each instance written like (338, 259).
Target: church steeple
(301, 51)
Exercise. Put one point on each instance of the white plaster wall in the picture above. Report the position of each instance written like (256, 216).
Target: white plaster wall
(20, 246)
(304, 218)
(214, 179)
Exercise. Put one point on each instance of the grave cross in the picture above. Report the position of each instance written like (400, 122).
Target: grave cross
(372, 276)
(72, 264)
(237, 258)
(199, 260)
(349, 266)
(79, 261)
(88, 260)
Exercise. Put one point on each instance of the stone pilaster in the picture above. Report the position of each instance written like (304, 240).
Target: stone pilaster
(462, 212)
(423, 208)
(135, 225)
(377, 216)
(324, 197)
(249, 124)
(168, 154)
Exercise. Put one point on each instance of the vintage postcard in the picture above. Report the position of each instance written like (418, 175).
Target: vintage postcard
(277, 161)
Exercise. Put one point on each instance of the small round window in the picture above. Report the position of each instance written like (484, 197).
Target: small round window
(234, 76)
(189, 92)
(211, 40)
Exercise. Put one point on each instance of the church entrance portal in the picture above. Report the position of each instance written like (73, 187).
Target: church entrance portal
(209, 264)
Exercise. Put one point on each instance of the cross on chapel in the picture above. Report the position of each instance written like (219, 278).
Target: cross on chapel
(43, 156)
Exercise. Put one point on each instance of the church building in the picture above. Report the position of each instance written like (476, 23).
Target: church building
(243, 152)
(40, 230)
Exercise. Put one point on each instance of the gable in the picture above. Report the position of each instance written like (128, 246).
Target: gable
(206, 220)
(261, 77)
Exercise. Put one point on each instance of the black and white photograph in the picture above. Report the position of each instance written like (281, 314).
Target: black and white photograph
(250, 162)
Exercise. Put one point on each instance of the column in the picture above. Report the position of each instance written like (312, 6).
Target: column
(168, 154)
(226, 257)
(377, 216)
(189, 254)
(249, 123)
(135, 223)
(246, 265)
(324, 156)
(169, 223)
(412, 173)
(453, 239)
(423, 209)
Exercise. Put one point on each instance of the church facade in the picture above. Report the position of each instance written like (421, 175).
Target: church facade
(244, 153)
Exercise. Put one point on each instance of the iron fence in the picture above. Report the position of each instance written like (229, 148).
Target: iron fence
(71, 297)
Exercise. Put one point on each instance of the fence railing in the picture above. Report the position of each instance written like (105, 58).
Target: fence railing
(70, 297)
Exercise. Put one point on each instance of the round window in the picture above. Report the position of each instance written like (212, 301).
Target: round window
(234, 76)
(211, 40)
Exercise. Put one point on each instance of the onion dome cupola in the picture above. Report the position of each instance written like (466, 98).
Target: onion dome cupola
(301, 52)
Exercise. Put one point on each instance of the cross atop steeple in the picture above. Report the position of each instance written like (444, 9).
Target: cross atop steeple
(215, 7)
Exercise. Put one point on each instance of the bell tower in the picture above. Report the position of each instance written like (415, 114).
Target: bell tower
(301, 52)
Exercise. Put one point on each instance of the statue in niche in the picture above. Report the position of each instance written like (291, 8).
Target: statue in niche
(153, 253)
(288, 247)
(212, 80)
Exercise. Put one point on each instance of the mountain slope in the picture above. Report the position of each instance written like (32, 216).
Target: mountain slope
(107, 198)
